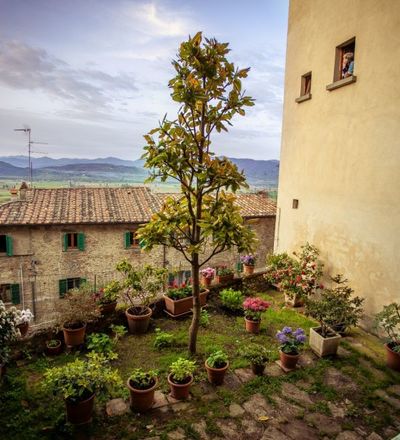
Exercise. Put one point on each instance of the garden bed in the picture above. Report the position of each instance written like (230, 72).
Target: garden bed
(327, 397)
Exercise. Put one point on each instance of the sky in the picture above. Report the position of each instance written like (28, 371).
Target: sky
(90, 77)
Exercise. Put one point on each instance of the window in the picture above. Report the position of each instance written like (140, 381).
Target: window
(295, 203)
(131, 240)
(10, 293)
(305, 88)
(68, 284)
(6, 245)
(74, 240)
(344, 65)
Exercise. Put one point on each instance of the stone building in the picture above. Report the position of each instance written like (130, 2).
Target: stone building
(340, 157)
(53, 239)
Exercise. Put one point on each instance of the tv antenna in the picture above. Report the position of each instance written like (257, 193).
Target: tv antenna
(28, 130)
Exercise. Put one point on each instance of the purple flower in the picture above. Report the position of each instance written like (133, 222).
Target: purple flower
(298, 332)
(301, 338)
(281, 337)
(287, 330)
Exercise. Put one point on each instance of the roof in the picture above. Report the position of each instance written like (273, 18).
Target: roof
(63, 206)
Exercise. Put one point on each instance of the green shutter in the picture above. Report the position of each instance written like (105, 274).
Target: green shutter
(127, 240)
(9, 246)
(239, 267)
(15, 294)
(82, 281)
(65, 242)
(81, 241)
(62, 288)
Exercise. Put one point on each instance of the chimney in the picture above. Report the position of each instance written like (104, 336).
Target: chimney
(22, 191)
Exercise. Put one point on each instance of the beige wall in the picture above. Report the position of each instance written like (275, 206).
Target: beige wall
(104, 248)
(341, 150)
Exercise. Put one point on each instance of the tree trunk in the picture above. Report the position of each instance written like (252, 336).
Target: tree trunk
(194, 326)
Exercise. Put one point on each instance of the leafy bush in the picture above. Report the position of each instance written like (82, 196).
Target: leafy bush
(232, 299)
(218, 359)
(389, 320)
(102, 344)
(109, 293)
(224, 271)
(53, 343)
(255, 353)
(142, 380)
(181, 370)
(118, 330)
(177, 293)
(8, 329)
(163, 339)
(204, 318)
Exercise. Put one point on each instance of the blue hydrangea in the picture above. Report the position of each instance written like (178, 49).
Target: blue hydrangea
(287, 330)
(298, 332)
(281, 337)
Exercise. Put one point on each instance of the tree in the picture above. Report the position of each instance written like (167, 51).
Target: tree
(203, 221)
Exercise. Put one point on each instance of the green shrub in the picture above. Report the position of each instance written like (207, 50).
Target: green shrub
(182, 369)
(163, 339)
(232, 299)
(218, 359)
(255, 353)
(142, 380)
(102, 344)
(204, 318)
(176, 293)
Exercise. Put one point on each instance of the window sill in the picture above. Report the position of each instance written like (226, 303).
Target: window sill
(341, 83)
(303, 98)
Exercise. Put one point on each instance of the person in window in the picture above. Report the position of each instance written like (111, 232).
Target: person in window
(348, 64)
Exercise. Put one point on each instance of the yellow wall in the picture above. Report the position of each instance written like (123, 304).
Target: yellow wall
(341, 150)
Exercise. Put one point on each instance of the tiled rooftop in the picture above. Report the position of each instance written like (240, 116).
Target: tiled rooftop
(103, 206)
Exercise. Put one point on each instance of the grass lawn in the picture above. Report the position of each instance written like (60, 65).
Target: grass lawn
(343, 390)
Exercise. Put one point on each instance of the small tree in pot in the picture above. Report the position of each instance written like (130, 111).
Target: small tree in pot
(141, 287)
(180, 378)
(74, 310)
(107, 297)
(253, 307)
(216, 365)
(257, 355)
(389, 320)
(142, 385)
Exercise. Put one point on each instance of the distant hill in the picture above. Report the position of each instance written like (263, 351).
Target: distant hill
(112, 169)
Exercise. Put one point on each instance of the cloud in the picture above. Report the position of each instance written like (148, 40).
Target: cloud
(28, 68)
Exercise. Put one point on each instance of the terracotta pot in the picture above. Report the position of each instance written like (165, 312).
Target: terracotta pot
(216, 375)
(142, 400)
(294, 300)
(74, 336)
(52, 351)
(247, 269)
(392, 358)
(107, 309)
(258, 369)
(206, 281)
(138, 323)
(222, 279)
(180, 391)
(81, 412)
(182, 306)
(289, 361)
(23, 328)
(252, 326)
(324, 346)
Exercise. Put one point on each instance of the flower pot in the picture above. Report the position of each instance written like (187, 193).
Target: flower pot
(79, 413)
(288, 361)
(258, 369)
(324, 346)
(206, 281)
(223, 279)
(138, 323)
(107, 309)
(247, 269)
(182, 306)
(216, 375)
(23, 328)
(52, 351)
(392, 358)
(294, 300)
(74, 336)
(180, 391)
(141, 400)
(252, 326)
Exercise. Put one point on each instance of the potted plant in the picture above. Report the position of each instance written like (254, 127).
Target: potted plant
(142, 385)
(141, 288)
(74, 310)
(207, 276)
(253, 307)
(389, 320)
(24, 318)
(179, 300)
(180, 378)
(107, 297)
(8, 333)
(291, 342)
(249, 262)
(232, 301)
(216, 365)
(276, 264)
(347, 309)
(323, 340)
(223, 275)
(257, 355)
(53, 347)
(78, 382)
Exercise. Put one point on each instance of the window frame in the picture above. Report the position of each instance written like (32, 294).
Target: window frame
(340, 50)
(305, 87)
(14, 293)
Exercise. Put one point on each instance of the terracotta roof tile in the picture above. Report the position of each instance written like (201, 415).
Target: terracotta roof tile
(104, 205)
